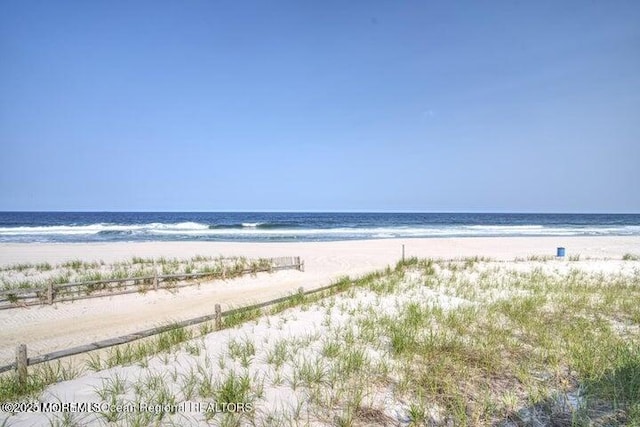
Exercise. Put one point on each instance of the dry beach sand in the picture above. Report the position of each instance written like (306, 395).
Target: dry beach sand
(64, 325)
(309, 364)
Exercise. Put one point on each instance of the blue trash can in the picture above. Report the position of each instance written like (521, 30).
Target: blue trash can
(560, 252)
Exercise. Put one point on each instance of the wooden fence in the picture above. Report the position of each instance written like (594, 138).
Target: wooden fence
(23, 361)
(21, 297)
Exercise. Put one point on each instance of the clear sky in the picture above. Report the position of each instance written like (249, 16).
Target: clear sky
(518, 106)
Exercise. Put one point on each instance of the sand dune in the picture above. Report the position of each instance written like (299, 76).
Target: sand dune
(63, 325)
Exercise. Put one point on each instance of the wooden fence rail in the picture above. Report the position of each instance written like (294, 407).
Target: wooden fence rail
(22, 361)
(20, 297)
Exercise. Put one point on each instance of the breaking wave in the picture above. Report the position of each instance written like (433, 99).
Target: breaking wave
(257, 231)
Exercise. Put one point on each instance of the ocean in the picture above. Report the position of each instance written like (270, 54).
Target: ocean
(287, 227)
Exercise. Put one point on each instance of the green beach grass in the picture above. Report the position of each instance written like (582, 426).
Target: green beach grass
(461, 342)
(26, 276)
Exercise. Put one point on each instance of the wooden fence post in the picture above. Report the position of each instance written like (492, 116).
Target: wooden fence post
(301, 291)
(403, 253)
(218, 317)
(21, 364)
(50, 293)
(155, 275)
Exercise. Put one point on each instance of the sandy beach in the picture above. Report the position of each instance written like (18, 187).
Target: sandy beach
(294, 362)
(63, 325)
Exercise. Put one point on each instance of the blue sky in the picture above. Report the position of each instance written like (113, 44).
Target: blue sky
(320, 106)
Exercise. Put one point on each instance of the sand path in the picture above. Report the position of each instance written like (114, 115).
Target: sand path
(48, 328)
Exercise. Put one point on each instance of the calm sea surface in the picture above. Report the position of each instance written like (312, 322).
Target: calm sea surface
(258, 227)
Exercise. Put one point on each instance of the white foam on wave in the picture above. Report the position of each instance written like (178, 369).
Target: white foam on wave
(252, 224)
(98, 228)
(252, 230)
(63, 229)
(505, 227)
(180, 226)
(389, 232)
(383, 236)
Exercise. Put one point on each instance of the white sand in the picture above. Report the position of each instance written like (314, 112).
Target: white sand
(295, 325)
(48, 328)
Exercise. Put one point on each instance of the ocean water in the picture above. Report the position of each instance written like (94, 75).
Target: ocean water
(259, 227)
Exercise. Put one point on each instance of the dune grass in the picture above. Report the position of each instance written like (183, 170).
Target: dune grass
(461, 342)
(38, 275)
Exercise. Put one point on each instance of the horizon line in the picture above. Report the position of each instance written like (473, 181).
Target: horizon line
(330, 211)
